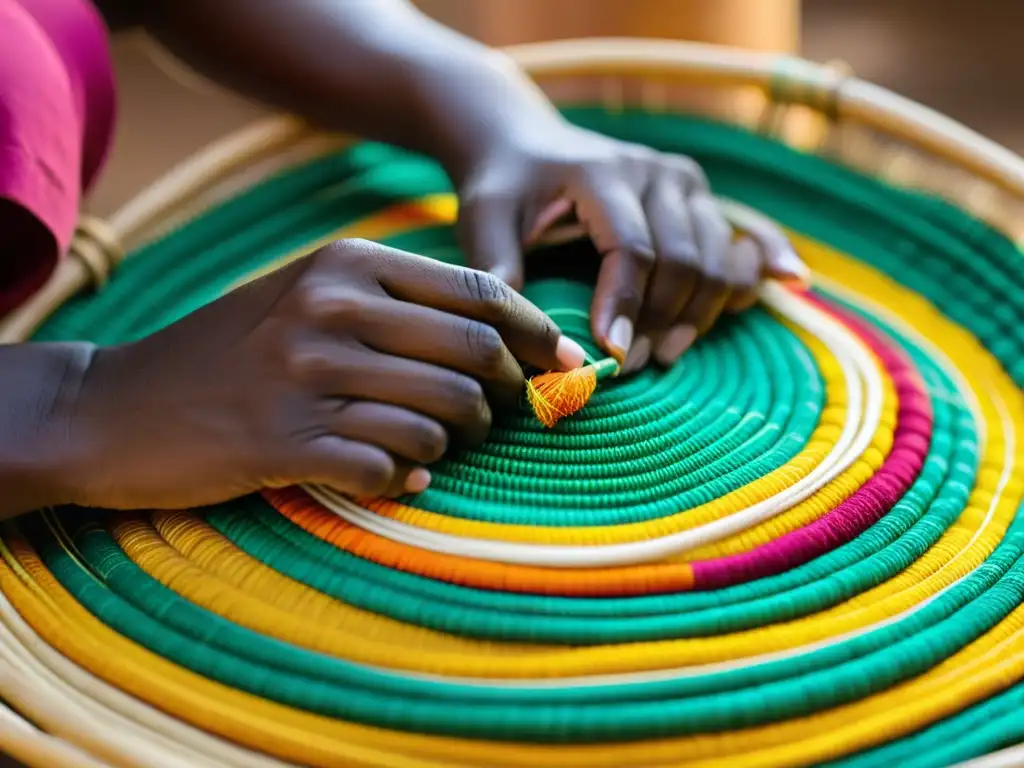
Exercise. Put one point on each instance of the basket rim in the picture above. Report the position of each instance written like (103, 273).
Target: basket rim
(783, 78)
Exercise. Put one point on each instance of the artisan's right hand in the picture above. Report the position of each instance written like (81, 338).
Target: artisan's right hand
(351, 368)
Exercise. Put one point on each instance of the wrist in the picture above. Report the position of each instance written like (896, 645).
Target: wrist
(477, 107)
(40, 454)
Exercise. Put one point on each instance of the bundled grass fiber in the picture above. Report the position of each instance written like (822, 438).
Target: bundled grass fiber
(799, 545)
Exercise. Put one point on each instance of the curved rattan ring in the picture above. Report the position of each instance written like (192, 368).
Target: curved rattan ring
(790, 80)
(801, 545)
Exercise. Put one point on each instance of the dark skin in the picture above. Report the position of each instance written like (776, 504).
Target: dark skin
(357, 366)
(350, 368)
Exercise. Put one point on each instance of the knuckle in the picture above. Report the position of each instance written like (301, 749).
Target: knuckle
(304, 298)
(715, 273)
(492, 294)
(357, 259)
(307, 365)
(486, 346)
(469, 398)
(690, 170)
(342, 305)
(373, 476)
(350, 248)
(591, 174)
(640, 153)
(430, 441)
(329, 302)
(470, 392)
(717, 225)
(334, 253)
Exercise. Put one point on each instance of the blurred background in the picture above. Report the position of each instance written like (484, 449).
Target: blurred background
(957, 57)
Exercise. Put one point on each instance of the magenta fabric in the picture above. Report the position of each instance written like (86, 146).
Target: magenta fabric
(57, 112)
(914, 421)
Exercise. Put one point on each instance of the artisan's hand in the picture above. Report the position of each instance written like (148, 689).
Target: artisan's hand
(670, 263)
(395, 75)
(352, 368)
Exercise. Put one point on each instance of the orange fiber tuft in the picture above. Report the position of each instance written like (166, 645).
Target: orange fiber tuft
(553, 396)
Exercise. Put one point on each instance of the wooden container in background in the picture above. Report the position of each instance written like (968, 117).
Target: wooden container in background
(770, 25)
(764, 25)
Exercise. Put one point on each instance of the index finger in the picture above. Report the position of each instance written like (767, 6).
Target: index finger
(613, 215)
(531, 336)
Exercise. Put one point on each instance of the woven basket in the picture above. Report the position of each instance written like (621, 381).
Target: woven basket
(871, 619)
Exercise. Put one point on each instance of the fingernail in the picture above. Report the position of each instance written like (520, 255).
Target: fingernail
(570, 354)
(792, 265)
(638, 355)
(417, 481)
(674, 343)
(620, 337)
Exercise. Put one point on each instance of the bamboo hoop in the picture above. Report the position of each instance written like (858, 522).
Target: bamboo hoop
(39, 682)
(845, 101)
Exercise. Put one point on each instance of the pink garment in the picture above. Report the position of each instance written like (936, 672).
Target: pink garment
(57, 110)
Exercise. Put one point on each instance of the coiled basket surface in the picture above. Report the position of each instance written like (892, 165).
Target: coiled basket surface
(800, 545)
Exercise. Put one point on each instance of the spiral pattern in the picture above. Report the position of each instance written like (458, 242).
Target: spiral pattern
(799, 545)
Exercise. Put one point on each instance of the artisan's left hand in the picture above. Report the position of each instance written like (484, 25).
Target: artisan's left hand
(670, 263)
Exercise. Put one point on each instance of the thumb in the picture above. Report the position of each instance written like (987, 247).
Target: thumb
(489, 236)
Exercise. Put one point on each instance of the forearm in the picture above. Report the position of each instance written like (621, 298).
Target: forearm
(37, 395)
(378, 68)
